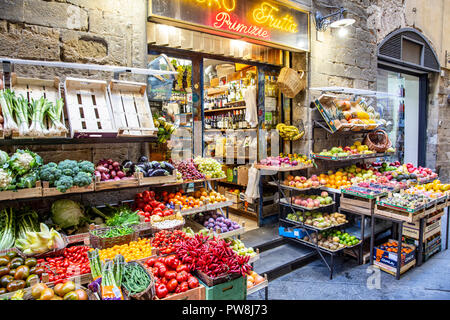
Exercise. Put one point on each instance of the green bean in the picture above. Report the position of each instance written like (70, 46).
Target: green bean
(135, 279)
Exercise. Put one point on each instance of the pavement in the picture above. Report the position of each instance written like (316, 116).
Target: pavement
(430, 281)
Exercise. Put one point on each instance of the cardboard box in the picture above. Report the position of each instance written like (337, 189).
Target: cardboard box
(389, 259)
(242, 175)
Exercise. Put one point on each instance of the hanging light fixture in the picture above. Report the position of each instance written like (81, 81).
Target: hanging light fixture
(342, 21)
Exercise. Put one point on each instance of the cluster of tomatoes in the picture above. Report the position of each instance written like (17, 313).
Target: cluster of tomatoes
(73, 262)
(171, 276)
(148, 206)
(165, 240)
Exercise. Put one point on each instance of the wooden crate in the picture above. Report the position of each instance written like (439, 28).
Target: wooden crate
(88, 109)
(232, 290)
(34, 89)
(411, 230)
(399, 215)
(27, 193)
(192, 294)
(85, 278)
(210, 282)
(392, 270)
(232, 197)
(111, 185)
(148, 181)
(48, 191)
(131, 110)
(357, 204)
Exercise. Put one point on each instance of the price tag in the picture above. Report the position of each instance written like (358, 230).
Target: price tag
(296, 233)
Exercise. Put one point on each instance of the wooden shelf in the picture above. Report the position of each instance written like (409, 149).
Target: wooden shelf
(51, 141)
(225, 109)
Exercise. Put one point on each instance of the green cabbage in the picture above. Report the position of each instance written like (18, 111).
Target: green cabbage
(67, 213)
(4, 158)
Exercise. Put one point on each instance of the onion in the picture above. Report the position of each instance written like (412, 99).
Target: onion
(102, 169)
(120, 174)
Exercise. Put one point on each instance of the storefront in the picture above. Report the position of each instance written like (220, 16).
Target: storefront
(222, 50)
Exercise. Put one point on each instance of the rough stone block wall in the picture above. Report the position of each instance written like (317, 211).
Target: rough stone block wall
(348, 61)
(443, 128)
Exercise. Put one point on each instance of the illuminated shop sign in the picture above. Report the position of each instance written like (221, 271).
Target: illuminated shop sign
(268, 21)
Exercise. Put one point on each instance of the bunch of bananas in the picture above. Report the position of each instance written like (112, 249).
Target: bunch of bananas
(289, 132)
(165, 129)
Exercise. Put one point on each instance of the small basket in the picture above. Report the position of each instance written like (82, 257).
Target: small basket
(104, 243)
(378, 141)
(160, 87)
(178, 227)
(48, 254)
(147, 294)
(291, 82)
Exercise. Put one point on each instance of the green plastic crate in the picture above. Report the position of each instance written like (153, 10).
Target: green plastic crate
(232, 290)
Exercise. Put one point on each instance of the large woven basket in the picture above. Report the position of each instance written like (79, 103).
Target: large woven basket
(378, 141)
(148, 293)
(103, 243)
(291, 82)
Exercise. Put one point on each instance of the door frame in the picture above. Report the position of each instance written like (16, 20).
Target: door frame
(423, 106)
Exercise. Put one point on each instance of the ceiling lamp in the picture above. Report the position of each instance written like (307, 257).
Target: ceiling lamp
(323, 22)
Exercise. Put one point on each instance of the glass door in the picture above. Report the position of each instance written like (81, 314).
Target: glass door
(401, 111)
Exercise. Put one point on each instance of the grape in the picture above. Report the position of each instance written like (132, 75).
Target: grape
(210, 167)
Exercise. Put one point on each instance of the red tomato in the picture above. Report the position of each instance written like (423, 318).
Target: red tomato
(166, 213)
(170, 275)
(184, 286)
(182, 267)
(192, 282)
(148, 208)
(152, 193)
(162, 271)
(172, 285)
(161, 206)
(150, 262)
(161, 291)
(182, 276)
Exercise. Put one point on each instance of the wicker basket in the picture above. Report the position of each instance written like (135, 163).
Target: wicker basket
(378, 141)
(147, 294)
(104, 243)
(178, 227)
(291, 82)
(48, 254)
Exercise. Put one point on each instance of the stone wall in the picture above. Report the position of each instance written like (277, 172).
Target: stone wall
(443, 128)
(109, 32)
(345, 61)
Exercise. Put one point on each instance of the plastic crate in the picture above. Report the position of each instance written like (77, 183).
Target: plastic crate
(232, 290)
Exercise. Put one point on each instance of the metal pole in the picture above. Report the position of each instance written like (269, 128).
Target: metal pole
(399, 253)
(361, 251)
(446, 234)
(331, 267)
(372, 238)
(420, 253)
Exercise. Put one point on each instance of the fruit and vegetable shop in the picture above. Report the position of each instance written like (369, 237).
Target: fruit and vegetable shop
(207, 150)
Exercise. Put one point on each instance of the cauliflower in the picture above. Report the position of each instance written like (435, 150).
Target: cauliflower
(64, 183)
(82, 179)
(5, 178)
(23, 161)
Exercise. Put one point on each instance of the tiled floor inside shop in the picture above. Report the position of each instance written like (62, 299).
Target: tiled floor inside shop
(350, 281)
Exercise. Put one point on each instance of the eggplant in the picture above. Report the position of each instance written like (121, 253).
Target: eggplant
(167, 166)
(143, 159)
(158, 173)
(155, 164)
(127, 164)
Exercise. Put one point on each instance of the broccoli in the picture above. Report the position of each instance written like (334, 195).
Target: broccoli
(69, 168)
(64, 183)
(50, 173)
(82, 179)
(86, 166)
(24, 160)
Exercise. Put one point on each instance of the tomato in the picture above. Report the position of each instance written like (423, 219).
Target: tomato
(166, 213)
(148, 208)
(182, 267)
(159, 213)
(161, 206)
(182, 276)
(192, 282)
(139, 195)
(170, 260)
(184, 286)
(150, 262)
(170, 275)
(162, 271)
(146, 194)
(161, 291)
(172, 285)
(152, 193)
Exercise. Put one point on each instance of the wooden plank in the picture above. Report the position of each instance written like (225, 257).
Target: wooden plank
(47, 191)
(28, 193)
(147, 181)
(192, 294)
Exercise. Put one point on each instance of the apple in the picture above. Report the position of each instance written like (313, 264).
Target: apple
(316, 203)
(324, 194)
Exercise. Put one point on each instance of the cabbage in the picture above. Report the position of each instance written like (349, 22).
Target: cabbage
(67, 213)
